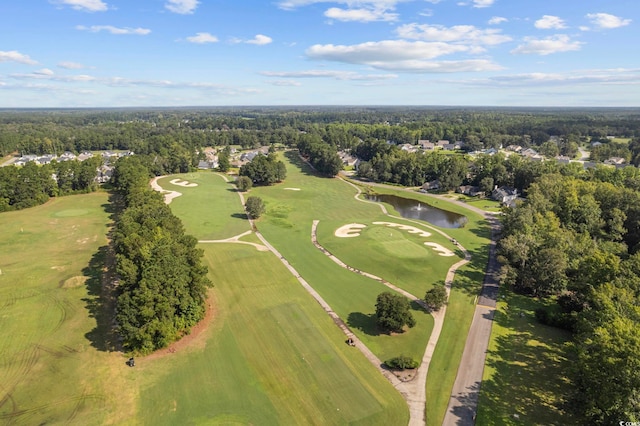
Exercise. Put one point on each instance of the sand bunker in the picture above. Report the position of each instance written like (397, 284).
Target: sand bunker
(350, 230)
(409, 229)
(442, 251)
(180, 182)
(168, 195)
(293, 189)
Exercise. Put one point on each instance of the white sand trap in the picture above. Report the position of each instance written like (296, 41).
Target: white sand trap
(292, 189)
(442, 251)
(168, 195)
(409, 229)
(350, 230)
(180, 182)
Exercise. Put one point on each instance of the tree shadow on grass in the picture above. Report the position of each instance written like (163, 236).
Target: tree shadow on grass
(527, 382)
(368, 324)
(100, 301)
(240, 216)
(305, 168)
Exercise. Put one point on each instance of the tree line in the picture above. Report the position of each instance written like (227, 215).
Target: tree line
(162, 281)
(577, 241)
(32, 185)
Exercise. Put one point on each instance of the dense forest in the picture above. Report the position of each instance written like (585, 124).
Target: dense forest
(162, 282)
(577, 241)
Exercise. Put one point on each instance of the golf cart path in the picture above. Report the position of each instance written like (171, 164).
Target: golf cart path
(414, 391)
(463, 402)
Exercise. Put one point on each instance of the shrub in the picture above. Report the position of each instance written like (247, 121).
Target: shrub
(402, 363)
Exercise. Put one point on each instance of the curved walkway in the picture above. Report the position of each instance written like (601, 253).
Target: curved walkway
(463, 402)
(414, 391)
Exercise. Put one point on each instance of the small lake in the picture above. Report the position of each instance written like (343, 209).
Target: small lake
(413, 209)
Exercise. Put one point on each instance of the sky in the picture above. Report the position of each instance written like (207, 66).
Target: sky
(137, 53)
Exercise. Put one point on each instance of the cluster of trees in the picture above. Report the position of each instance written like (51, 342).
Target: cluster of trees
(31, 185)
(321, 155)
(578, 241)
(264, 170)
(163, 283)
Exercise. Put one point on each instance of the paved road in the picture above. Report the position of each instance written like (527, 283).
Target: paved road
(463, 403)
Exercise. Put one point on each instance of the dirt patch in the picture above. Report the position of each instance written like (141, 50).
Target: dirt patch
(74, 282)
(196, 339)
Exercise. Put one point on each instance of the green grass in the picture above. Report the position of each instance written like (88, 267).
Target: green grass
(273, 357)
(287, 225)
(525, 369)
(53, 366)
(209, 211)
(474, 236)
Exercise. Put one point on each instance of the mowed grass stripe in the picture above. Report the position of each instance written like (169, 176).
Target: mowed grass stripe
(352, 296)
(53, 368)
(272, 357)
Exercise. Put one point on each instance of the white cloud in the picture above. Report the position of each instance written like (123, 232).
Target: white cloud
(360, 15)
(183, 7)
(386, 50)
(260, 40)
(607, 21)
(114, 30)
(459, 33)
(338, 75)
(620, 76)
(70, 65)
(548, 22)
(554, 44)
(497, 20)
(86, 5)
(402, 56)
(15, 56)
(372, 4)
(44, 72)
(483, 3)
(47, 74)
(202, 38)
(285, 83)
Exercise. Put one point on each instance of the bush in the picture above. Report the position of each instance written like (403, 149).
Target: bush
(436, 298)
(402, 363)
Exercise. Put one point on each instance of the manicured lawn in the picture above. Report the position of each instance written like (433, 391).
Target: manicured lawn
(524, 379)
(272, 357)
(210, 210)
(474, 236)
(53, 364)
(287, 225)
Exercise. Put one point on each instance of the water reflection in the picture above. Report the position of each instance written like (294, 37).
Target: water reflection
(412, 209)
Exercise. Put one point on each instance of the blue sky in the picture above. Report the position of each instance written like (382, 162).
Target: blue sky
(109, 53)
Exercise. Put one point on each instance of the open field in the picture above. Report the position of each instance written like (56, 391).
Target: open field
(524, 379)
(272, 357)
(53, 366)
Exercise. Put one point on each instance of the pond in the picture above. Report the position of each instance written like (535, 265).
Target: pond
(413, 209)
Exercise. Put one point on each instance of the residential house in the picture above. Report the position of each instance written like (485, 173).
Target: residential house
(426, 144)
(430, 186)
(505, 195)
(470, 190)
